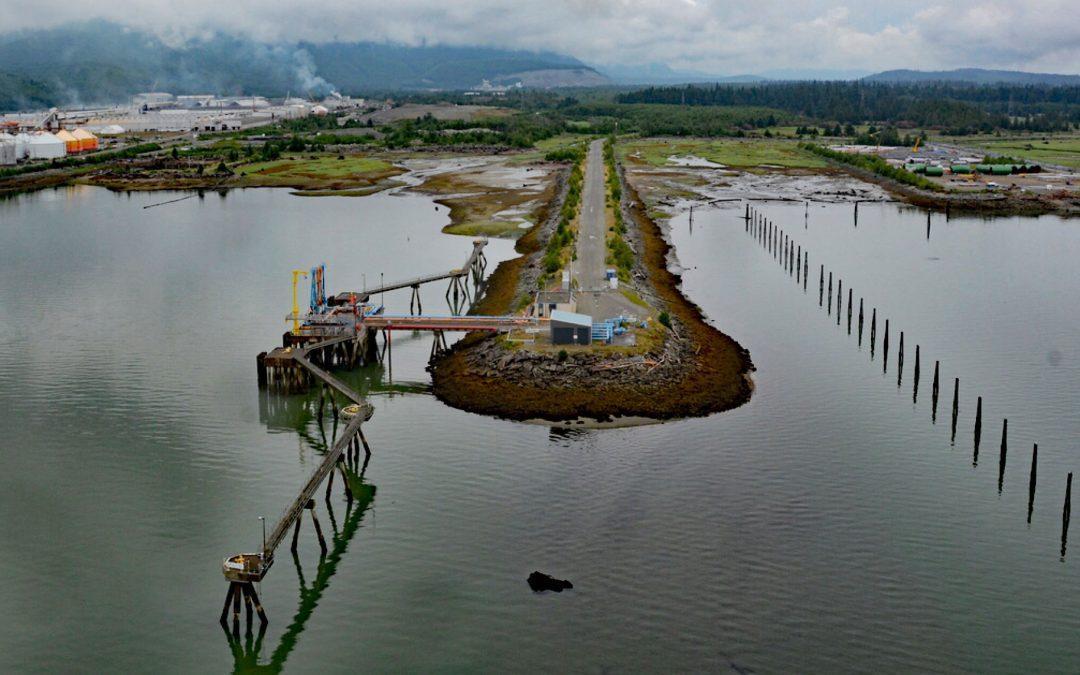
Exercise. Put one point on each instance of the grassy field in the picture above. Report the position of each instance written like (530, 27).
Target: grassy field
(547, 145)
(318, 172)
(733, 152)
(1063, 150)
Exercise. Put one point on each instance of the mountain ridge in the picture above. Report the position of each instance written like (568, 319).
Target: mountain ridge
(974, 76)
(103, 62)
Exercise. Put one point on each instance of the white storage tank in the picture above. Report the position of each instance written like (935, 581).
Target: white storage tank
(7, 150)
(46, 146)
(22, 146)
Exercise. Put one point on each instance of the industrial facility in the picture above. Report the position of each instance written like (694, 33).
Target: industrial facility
(57, 133)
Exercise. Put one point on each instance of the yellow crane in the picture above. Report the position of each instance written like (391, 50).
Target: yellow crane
(917, 140)
(296, 274)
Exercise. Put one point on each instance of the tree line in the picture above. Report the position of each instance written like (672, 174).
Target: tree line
(954, 107)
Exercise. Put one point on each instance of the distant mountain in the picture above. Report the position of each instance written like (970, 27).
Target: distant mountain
(975, 76)
(659, 73)
(102, 62)
(815, 74)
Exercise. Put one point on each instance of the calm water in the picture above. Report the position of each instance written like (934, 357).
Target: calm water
(826, 526)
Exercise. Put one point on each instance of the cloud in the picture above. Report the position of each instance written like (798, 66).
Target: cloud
(711, 35)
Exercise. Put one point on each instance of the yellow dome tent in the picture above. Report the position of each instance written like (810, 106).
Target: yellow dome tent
(70, 142)
(87, 140)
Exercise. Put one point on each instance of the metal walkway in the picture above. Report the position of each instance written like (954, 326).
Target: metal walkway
(475, 259)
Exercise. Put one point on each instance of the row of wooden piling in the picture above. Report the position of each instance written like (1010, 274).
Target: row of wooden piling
(793, 258)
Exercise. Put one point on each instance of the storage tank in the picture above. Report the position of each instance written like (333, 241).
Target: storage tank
(1001, 169)
(87, 141)
(70, 141)
(935, 171)
(918, 168)
(983, 168)
(961, 168)
(46, 146)
(22, 146)
(7, 150)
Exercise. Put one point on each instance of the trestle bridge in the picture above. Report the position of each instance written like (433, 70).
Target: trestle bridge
(341, 331)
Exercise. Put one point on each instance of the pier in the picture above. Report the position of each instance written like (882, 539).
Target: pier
(341, 331)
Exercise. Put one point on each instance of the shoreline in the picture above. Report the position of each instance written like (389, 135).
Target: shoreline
(697, 371)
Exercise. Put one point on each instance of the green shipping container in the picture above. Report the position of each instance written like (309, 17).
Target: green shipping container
(961, 168)
(935, 171)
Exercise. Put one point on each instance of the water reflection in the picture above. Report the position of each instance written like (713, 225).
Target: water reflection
(248, 652)
(295, 412)
(825, 295)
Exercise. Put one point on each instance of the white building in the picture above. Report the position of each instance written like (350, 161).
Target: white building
(194, 100)
(22, 146)
(46, 146)
(7, 149)
(152, 99)
(247, 102)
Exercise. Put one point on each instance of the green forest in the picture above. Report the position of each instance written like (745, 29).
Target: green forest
(955, 108)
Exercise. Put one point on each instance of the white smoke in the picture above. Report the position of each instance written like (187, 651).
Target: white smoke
(310, 83)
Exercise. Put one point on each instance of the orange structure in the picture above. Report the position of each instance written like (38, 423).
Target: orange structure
(70, 142)
(88, 142)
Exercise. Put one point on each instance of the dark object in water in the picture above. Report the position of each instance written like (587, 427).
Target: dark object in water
(538, 581)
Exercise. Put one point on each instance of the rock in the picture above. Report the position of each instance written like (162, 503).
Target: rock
(538, 581)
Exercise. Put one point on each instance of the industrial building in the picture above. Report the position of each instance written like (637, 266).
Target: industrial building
(45, 145)
(152, 99)
(7, 149)
(569, 328)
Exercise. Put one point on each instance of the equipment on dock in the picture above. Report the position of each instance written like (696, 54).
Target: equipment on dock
(318, 289)
(296, 274)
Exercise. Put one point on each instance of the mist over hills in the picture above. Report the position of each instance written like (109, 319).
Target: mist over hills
(102, 62)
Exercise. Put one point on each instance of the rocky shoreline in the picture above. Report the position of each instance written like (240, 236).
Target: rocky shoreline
(696, 371)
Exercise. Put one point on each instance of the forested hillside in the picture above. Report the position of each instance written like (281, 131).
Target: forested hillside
(100, 62)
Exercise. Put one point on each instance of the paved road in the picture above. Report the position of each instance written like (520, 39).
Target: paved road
(591, 244)
(594, 296)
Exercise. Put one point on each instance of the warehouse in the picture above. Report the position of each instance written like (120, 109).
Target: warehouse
(7, 149)
(46, 146)
(569, 328)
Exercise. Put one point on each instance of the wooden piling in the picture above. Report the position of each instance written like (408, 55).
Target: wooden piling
(1031, 480)
(236, 604)
(978, 424)
(873, 330)
(260, 369)
(955, 406)
(900, 361)
(1066, 513)
(1004, 451)
(860, 320)
(296, 534)
(915, 386)
(806, 270)
(839, 295)
(249, 610)
(228, 601)
(830, 293)
(934, 391)
(885, 349)
(258, 603)
(318, 530)
(821, 286)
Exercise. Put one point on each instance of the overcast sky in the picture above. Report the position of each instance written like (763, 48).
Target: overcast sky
(719, 37)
